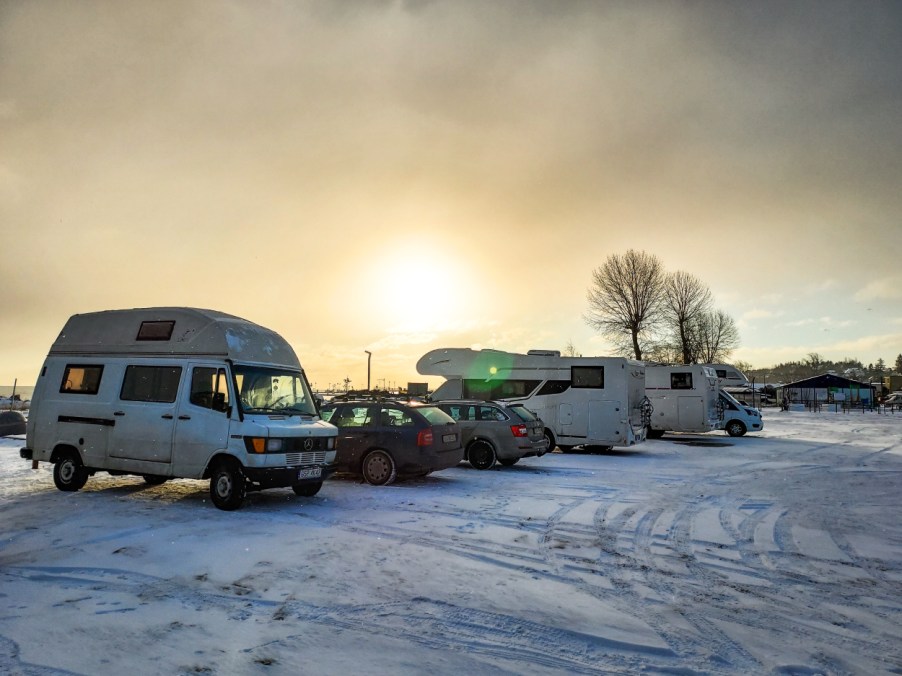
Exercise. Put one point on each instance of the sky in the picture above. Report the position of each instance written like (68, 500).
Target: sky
(400, 176)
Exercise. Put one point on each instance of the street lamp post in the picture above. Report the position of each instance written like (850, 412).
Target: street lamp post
(369, 356)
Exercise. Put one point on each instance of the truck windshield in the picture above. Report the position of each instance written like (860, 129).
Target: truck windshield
(268, 390)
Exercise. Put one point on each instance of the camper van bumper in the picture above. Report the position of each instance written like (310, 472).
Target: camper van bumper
(278, 477)
(26, 453)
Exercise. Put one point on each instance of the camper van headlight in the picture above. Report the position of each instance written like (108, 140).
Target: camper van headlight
(262, 445)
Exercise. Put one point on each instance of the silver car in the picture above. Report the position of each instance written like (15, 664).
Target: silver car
(496, 431)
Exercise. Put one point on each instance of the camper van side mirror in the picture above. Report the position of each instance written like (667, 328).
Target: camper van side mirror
(219, 402)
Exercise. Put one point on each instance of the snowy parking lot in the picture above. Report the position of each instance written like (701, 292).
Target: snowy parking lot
(779, 552)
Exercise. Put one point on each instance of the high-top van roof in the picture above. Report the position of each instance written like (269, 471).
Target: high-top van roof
(173, 331)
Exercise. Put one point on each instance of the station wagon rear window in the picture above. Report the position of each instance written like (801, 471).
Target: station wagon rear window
(587, 376)
(151, 383)
(81, 379)
(156, 330)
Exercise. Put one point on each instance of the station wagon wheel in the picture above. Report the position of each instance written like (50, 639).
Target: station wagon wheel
(736, 428)
(379, 468)
(227, 485)
(68, 472)
(307, 490)
(508, 462)
(481, 455)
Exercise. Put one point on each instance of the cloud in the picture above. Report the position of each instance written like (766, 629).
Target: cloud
(886, 288)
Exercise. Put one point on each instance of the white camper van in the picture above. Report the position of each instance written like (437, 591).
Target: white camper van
(168, 393)
(596, 402)
(685, 399)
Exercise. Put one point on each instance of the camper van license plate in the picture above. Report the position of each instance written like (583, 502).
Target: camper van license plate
(312, 473)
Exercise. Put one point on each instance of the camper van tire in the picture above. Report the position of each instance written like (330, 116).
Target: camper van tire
(307, 490)
(378, 468)
(69, 474)
(154, 479)
(227, 484)
(481, 455)
(735, 428)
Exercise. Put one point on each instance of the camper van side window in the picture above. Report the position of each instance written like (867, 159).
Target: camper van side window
(151, 383)
(81, 379)
(587, 376)
(721, 373)
(680, 381)
(209, 388)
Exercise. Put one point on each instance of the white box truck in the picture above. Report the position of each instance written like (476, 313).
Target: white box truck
(594, 402)
(685, 398)
(176, 392)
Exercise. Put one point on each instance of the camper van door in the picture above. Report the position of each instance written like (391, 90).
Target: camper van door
(144, 413)
(202, 424)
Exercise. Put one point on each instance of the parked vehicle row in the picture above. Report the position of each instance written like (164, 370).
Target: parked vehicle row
(168, 392)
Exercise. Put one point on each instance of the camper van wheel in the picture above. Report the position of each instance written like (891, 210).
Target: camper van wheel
(736, 428)
(378, 468)
(307, 490)
(481, 455)
(549, 437)
(508, 462)
(154, 479)
(227, 487)
(68, 472)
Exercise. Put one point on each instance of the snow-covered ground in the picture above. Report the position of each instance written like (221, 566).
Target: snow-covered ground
(779, 552)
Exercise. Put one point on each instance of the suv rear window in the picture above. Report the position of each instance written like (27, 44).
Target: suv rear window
(434, 415)
(524, 413)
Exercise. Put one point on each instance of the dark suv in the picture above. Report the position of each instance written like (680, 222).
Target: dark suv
(383, 440)
(497, 430)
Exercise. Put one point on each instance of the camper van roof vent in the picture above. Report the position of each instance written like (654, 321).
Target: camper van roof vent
(155, 330)
(545, 353)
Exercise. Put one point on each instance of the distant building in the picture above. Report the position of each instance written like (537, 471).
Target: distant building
(828, 388)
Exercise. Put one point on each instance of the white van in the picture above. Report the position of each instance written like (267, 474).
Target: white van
(175, 392)
(685, 399)
(595, 402)
(739, 418)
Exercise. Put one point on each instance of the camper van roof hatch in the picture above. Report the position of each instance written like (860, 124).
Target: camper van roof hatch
(155, 330)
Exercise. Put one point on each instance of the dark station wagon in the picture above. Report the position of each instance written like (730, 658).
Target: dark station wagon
(385, 440)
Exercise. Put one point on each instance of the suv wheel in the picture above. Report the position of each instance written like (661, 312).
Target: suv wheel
(481, 455)
(379, 468)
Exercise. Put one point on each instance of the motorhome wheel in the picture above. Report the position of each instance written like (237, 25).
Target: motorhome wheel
(736, 428)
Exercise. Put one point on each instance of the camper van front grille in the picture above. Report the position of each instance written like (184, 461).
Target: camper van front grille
(313, 458)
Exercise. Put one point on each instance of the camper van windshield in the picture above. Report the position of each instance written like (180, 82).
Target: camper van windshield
(267, 390)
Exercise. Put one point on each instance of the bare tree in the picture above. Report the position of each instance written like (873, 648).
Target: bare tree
(625, 299)
(686, 300)
(714, 336)
(570, 350)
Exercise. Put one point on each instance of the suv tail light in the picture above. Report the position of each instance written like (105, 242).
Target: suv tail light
(424, 437)
(520, 430)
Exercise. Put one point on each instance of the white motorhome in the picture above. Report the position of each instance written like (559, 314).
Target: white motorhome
(739, 418)
(177, 392)
(729, 376)
(685, 398)
(596, 402)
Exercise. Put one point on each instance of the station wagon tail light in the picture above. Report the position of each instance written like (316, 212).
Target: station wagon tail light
(520, 430)
(262, 445)
(424, 438)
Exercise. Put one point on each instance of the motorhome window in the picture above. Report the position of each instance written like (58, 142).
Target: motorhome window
(554, 387)
(151, 383)
(499, 389)
(587, 377)
(155, 330)
(681, 381)
(206, 384)
(81, 379)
